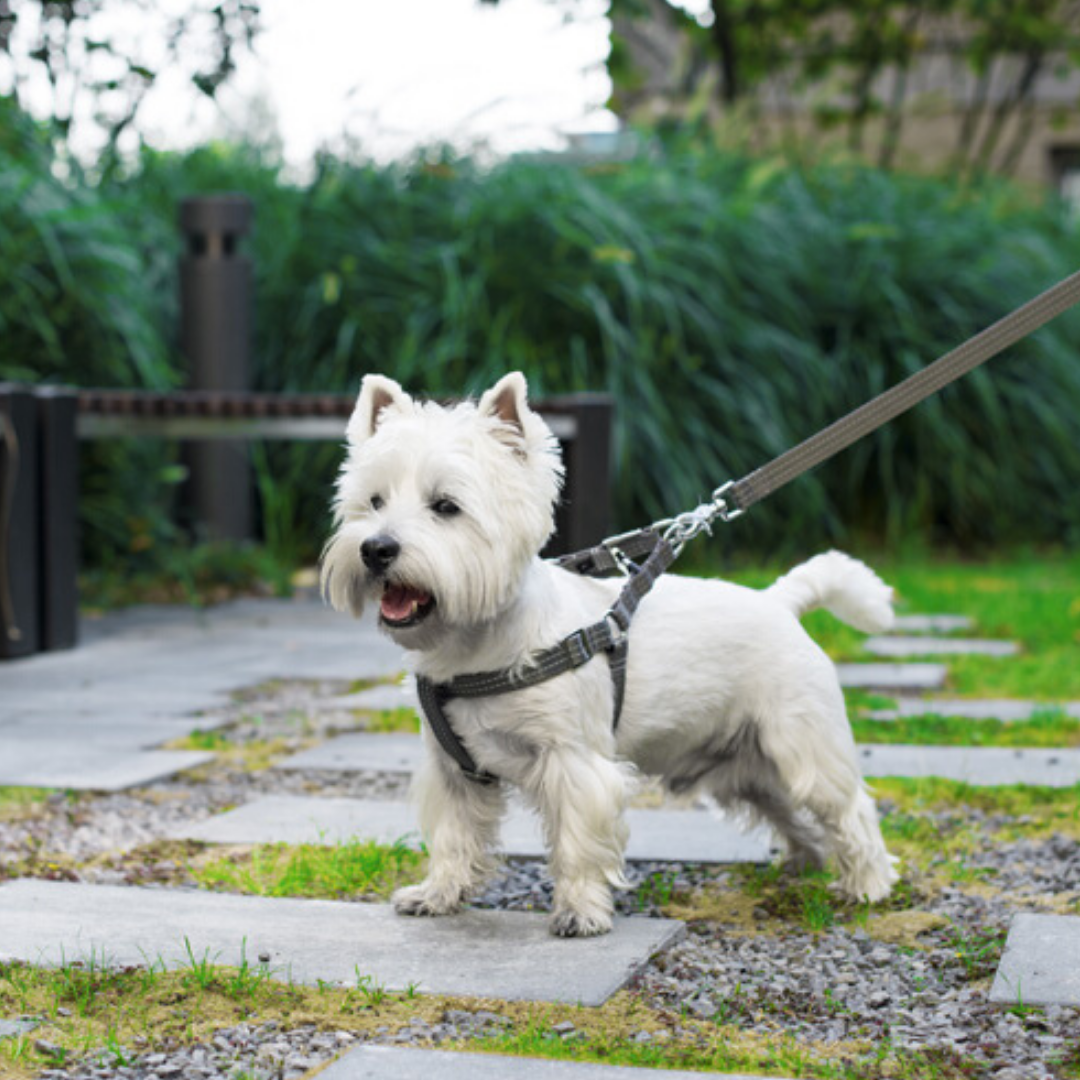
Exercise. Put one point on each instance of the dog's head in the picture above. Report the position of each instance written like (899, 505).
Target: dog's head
(439, 510)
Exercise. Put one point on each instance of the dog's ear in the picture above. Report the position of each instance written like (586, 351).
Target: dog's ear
(376, 394)
(507, 401)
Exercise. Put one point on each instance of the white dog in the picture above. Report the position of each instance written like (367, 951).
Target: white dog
(440, 514)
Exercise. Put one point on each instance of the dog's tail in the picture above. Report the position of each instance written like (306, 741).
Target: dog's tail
(845, 587)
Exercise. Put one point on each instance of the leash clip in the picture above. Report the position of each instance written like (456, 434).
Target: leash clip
(723, 511)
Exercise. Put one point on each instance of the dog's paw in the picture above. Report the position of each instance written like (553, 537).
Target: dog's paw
(568, 923)
(420, 900)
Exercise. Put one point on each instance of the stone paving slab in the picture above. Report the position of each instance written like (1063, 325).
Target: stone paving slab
(1005, 709)
(501, 954)
(893, 678)
(1041, 963)
(900, 646)
(690, 836)
(86, 766)
(12, 1029)
(148, 734)
(378, 698)
(83, 718)
(931, 624)
(361, 751)
(396, 1063)
(982, 765)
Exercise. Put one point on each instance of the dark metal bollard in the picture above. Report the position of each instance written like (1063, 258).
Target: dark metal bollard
(38, 520)
(583, 516)
(20, 624)
(58, 451)
(215, 316)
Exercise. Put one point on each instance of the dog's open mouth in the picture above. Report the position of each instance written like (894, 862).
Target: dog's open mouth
(403, 606)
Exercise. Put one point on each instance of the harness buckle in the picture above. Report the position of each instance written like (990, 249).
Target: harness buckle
(579, 647)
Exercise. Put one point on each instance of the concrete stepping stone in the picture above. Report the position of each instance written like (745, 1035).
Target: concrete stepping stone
(88, 766)
(361, 751)
(1005, 709)
(934, 646)
(982, 765)
(931, 624)
(692, 836)
(397, 1063)
(1041, 963)
(378, 698)
(12, 1029)
(893, 678)
(502, 954)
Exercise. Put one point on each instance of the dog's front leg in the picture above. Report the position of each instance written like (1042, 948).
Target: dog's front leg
(582, 796)
(459, 820)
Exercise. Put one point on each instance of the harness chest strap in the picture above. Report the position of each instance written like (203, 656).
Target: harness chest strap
(610, 635)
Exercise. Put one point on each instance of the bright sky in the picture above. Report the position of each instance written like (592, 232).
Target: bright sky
(389, 75)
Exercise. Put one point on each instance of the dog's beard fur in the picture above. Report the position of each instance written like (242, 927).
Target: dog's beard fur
(726, 694)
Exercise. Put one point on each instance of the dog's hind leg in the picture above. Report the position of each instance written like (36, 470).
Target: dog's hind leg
(582, 797)
(822, 775)
(744, 777)
(459, 820)
(866, 869)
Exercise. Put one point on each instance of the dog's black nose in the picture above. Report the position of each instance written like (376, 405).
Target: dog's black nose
(378, 552)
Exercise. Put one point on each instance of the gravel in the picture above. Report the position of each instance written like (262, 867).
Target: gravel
(927, 995)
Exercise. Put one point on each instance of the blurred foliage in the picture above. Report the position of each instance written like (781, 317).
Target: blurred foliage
(732, 306)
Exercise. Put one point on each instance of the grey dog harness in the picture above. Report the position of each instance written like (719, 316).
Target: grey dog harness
(610, 636)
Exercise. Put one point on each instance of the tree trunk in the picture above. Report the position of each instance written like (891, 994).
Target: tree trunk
(723, 35)
(1021, 92)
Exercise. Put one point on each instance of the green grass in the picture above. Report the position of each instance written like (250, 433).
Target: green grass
(341, 871)
(1024, 810)
(390, 720)
(108, 1013)
(17, 801)
(1049, 728)
(726, 1048)
(1029, 597)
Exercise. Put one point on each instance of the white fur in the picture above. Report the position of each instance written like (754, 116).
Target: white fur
(725, 691)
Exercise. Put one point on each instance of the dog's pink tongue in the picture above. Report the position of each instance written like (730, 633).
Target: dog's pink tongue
(400, 601)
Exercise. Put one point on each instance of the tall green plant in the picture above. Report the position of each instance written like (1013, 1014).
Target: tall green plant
(731, 306)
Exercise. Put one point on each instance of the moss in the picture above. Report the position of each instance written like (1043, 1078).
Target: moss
(904, 927)
(20, 802)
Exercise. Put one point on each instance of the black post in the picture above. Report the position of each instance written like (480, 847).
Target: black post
(584, 516)
(59, 501)
(20, 625)
(215, 315)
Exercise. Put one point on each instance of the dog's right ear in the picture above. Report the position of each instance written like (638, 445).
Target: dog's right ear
(376, 394)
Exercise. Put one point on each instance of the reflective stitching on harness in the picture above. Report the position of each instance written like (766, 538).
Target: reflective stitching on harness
(610, 636)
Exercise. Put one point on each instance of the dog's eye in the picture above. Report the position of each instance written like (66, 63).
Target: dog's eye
(445, 507)
(377, 502)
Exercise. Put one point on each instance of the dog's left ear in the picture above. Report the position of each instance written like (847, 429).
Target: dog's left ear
(507, 401)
